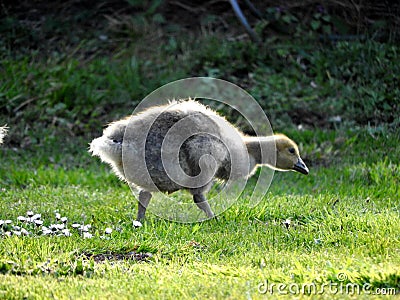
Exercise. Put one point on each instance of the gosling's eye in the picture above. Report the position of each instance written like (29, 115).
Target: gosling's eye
(291, 150)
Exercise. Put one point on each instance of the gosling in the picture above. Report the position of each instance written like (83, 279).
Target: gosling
(207, 145)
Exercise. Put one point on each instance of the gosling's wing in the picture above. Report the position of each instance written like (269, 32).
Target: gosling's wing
(204, 151)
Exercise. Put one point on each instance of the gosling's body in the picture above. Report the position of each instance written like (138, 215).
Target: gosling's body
(197, 132)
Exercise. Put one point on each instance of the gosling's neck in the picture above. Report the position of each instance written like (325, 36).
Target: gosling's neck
(262, 150)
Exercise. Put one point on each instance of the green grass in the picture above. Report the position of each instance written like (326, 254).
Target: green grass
(344, 218)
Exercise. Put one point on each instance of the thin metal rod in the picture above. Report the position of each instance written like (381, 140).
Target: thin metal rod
(243, 20)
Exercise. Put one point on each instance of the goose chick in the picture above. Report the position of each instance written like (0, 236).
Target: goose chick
(207, 145)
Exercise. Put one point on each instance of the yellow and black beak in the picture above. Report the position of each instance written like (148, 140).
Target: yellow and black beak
(301, 167)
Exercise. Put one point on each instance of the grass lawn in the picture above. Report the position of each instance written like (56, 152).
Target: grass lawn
(339, 225)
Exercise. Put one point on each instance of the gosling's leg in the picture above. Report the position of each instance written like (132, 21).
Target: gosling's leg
(144, 199)
(202, 203)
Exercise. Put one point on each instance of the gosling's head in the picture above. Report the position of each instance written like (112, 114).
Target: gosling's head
(288, 156)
